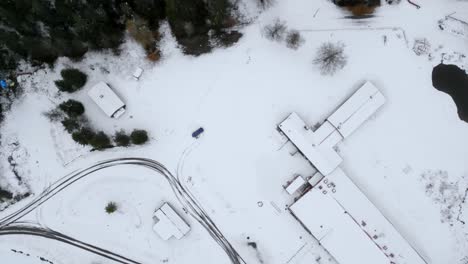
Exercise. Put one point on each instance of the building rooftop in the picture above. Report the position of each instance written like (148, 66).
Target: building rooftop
(349, 226)
(169, 223)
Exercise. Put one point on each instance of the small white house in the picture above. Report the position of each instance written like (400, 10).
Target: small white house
(137, 73)
(169, 223)
(107, 100)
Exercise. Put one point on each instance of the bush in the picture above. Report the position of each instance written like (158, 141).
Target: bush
(139, 137)
(330, 58)
(122, 139)
(359, 8)
(154, 55)
(5, 195)
(227, 39)
(111, 207)
(72, 108)
(265, 3)
(73, 80)
(70, 124)
(54, 115)
(421, 46)
(100, 141)
(63, 86)
(83, 136)
(275, 31)
(195, 45)
(142, 33)
(294, 39)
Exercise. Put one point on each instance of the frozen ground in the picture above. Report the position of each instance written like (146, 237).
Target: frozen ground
(410, 159)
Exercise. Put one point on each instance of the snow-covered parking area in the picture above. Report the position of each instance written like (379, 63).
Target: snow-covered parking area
(409, 159)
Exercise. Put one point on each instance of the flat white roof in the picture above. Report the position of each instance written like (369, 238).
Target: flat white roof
(349, 226)
(169, 223)
(137, 73)
(295, 185)
(302, 137)
(357, 109)
(106, 99)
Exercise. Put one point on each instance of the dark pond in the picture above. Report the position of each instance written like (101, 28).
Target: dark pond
(453, 80)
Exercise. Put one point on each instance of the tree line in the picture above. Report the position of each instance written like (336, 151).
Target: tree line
(40, 31)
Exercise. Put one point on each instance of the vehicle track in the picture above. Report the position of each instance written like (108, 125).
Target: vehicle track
(9, 224)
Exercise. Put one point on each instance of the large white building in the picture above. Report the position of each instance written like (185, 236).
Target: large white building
(349, 226)
(334, 210)
(317, 146)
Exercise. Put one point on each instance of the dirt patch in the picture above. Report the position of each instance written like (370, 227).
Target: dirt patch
(453, 80)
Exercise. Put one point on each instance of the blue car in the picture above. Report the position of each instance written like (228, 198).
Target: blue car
(198, 132)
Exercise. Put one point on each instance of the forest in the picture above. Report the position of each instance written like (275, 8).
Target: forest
(40, 31)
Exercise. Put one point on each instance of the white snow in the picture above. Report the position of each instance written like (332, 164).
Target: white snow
(239, 95)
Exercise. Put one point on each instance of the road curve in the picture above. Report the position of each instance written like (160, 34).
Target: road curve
(8, 226)
(32, 230)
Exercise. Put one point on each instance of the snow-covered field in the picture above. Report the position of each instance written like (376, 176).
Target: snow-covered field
(410, 159)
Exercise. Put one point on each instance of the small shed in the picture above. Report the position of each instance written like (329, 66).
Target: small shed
(137, 73)
(169, 223)
(107, 100)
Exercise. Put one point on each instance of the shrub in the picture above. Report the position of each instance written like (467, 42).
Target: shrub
(73, 80)
(83, 136)
(421, 46)
(111, 207)
(142, 33)
(265, 3)
(122, 139)
(70, 124)
(275, 31)
(294, 39)
(5, 195)
(139, 137)
(195, 45)
(227, 39)
(63, 86)
(361, 10)
(100, 141)
(72, 108)
(330, 58)
(54, 115)
(154, 56)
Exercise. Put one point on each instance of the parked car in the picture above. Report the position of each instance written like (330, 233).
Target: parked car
(197, 133)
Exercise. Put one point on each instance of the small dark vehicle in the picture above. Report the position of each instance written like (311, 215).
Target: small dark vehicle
(198, 132)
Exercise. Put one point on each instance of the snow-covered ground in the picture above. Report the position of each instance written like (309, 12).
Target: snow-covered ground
(410, 159)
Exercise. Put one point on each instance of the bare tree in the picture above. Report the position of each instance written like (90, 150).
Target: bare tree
(275, 31)
(265, 3)
(294, 39)
(330, 58)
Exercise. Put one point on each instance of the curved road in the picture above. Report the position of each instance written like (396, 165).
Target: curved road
(9, 224)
